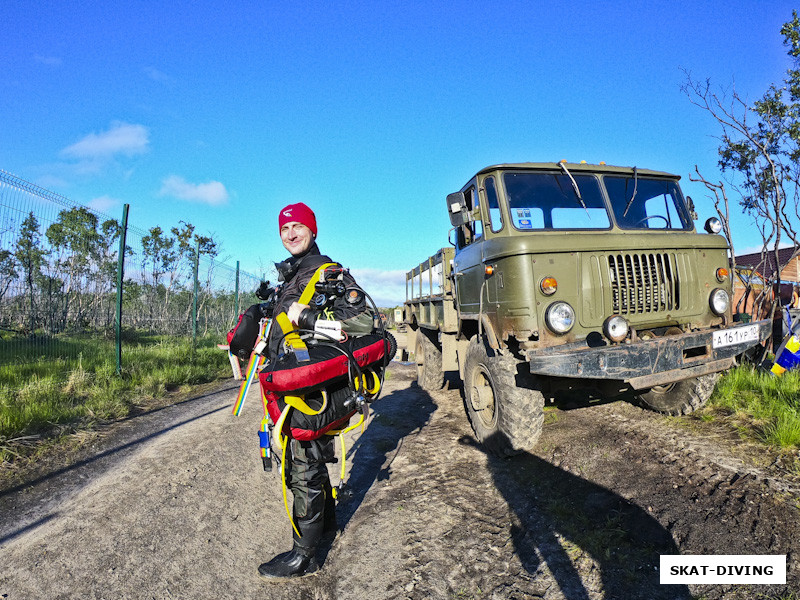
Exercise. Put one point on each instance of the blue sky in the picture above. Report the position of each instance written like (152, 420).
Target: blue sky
(369, 112)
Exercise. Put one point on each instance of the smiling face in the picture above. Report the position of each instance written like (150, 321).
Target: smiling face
(296, 238)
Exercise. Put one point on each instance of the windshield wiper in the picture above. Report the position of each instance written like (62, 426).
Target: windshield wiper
(635, 185)
(575, 187)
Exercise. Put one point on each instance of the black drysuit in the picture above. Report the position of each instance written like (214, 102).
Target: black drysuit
(306, 469)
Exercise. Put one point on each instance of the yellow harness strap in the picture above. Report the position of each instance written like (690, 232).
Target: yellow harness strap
(292, 338)
(283, 444)
(299, 402)
(294, 341)
(341, 433)
(308, 292)
(370, 391)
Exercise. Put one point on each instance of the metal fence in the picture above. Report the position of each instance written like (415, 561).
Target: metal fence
(60, 273)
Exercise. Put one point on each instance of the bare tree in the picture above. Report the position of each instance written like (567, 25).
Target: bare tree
(759, 155)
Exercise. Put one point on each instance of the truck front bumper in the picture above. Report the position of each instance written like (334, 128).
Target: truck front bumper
(647, 363)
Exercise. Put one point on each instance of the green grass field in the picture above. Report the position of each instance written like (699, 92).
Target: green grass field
(42, 398)
(762, 406)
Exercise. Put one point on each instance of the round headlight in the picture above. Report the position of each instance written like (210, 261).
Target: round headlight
(560, 317)
(713, 225)
(615, 328)
(719, 301)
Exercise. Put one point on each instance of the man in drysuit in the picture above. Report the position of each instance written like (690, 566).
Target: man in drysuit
(306, 469)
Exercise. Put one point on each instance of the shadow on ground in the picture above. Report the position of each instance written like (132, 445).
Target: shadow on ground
(394, 419)
(569, 523)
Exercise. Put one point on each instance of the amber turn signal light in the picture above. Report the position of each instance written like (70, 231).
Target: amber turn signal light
(548, 285)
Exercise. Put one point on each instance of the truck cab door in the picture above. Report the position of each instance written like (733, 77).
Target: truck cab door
(468, 268)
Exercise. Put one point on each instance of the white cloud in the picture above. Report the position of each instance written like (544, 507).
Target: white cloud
(120, 138)
(52, 181)
(157, 75)
(212, 193)
(387, 288)
(104, 204)
(50, 61)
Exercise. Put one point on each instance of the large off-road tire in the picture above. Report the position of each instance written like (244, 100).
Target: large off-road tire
(681, 397)
(428, 357)
(505, 417)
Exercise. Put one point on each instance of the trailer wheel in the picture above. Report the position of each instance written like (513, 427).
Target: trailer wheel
(429, 363)
(681, 397)
(506, 418)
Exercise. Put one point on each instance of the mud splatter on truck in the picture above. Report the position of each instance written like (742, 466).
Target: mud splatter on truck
(566, 275)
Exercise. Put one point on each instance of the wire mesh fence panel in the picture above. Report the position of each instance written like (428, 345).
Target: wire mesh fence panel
(159, 284)
(54, 284)
(58, 279)
(217, 305)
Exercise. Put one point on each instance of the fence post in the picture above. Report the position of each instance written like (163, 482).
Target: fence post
(123, 235)
(236, 295)
(196, 288)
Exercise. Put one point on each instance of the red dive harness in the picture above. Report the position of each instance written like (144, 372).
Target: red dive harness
(316, 386)
(324, 389)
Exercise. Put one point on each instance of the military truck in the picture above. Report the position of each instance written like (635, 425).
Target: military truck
(570, 276)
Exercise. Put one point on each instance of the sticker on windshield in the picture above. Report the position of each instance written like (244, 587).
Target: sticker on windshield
(525, 224)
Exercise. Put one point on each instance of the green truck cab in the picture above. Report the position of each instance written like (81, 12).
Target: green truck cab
(567, 275)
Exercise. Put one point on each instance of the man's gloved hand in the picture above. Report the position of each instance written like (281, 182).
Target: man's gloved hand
(302, 315)
(294, 312)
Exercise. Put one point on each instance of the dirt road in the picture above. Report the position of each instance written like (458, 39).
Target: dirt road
(175, 504)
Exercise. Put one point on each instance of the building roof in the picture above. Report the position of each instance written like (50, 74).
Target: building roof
(788, 258)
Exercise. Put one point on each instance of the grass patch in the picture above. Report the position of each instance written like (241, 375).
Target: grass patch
(763, 407)
(47, 398)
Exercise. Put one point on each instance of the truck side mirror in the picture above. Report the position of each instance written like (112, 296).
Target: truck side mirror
(692, 211)
(457, 209)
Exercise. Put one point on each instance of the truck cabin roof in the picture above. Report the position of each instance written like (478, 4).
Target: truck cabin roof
(576, 168)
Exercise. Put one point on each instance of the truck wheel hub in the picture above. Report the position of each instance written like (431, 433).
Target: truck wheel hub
(482, 397)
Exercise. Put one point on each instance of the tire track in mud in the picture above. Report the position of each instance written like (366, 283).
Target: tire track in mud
(730, 506)
(460, 542)
(707, 499)
(721, 488)
(585, 516)
(468, 530)
(481, 528)
(457, 540)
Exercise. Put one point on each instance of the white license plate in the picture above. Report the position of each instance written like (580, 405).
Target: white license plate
(731, 337)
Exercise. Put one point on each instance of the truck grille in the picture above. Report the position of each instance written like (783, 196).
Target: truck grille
(643, 283)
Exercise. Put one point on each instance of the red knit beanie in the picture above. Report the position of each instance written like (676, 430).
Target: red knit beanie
(299, 213)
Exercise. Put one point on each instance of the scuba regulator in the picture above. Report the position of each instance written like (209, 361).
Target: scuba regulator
(330, 286)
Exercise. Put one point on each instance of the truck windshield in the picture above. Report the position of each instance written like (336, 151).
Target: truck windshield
(548, 201)
(641, 203)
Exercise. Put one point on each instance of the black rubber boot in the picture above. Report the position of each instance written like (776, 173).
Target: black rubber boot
(297, 563)
(330, 532)
(329, 525)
